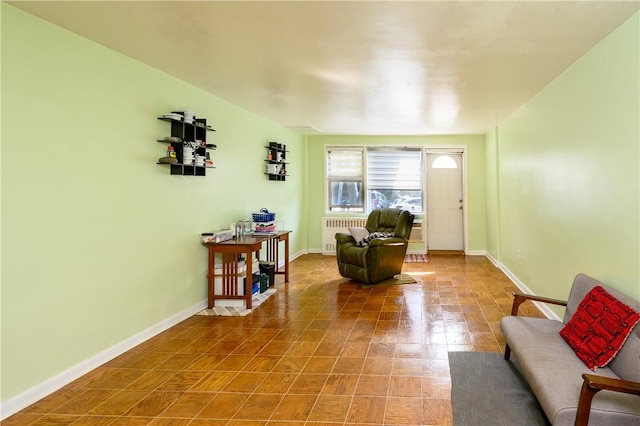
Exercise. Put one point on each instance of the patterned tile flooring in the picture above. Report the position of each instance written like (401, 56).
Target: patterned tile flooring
(322, 351)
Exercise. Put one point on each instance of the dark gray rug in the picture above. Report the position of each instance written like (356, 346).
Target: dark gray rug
(486, 390)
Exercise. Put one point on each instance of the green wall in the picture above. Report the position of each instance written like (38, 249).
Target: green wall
(569, 179)
(475, 170)
(98, 242)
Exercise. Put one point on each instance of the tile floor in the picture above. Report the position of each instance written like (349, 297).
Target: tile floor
(321, 351)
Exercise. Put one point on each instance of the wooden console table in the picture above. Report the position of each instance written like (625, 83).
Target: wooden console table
(247, 244)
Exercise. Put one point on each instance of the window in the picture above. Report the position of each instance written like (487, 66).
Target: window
(393, 178)
(345, 178)
(444, 162)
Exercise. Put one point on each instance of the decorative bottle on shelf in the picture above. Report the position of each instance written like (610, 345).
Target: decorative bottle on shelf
(171, 152)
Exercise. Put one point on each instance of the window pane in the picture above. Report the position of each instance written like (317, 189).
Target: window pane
(394, 178)
(378, 199)
(346, 196)
(444, 162)
(408, 200)
(345, 171)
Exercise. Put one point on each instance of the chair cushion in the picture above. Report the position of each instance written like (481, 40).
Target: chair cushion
(599, 327)
(365, 241)
(358, 233)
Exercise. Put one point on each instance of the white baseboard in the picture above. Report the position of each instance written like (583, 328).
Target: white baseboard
(39, 391)
(475, 253)
(416, 252)
(492, 260)
(542, 306)
(294, 256)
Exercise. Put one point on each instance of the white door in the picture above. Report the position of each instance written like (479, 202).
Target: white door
(444, 202)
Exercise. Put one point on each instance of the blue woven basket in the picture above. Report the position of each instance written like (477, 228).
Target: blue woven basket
(263, 216)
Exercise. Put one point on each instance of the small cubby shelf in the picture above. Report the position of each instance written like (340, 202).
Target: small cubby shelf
(193, 132)
(276, 163)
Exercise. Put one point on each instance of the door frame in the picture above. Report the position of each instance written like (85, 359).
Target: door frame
(450, 149)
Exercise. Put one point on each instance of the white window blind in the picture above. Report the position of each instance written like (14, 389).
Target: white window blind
(345, 176)
(393, 168)
(345, 163)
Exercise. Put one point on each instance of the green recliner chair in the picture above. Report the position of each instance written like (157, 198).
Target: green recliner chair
(382, 258)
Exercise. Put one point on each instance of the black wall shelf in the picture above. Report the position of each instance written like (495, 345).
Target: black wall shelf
(194, 133)
(276, 161)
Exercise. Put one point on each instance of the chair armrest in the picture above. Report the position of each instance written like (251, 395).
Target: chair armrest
(593, 384)
(392, 241)
(520, 298)
(344, 238)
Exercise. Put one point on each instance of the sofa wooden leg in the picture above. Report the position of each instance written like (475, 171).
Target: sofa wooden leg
(507, 352)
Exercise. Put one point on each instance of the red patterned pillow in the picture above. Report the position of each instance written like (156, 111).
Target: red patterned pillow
(599, 327)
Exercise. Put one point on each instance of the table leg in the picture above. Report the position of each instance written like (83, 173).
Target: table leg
(249, 280)
(286, 258)
(211, 276)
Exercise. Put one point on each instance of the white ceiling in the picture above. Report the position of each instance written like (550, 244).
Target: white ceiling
(354, 67)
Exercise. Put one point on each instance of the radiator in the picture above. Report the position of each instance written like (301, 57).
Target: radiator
(417, 232)
(332, 225)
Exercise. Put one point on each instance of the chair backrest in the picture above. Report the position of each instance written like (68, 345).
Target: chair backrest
(397, 221)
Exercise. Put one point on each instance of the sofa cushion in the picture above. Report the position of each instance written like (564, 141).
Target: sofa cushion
(626, 364)
(599, 327)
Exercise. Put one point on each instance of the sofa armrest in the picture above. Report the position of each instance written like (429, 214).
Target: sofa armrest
(520, 298)
(593, 384)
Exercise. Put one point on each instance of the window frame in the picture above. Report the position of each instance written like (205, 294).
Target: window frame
(363, 177)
